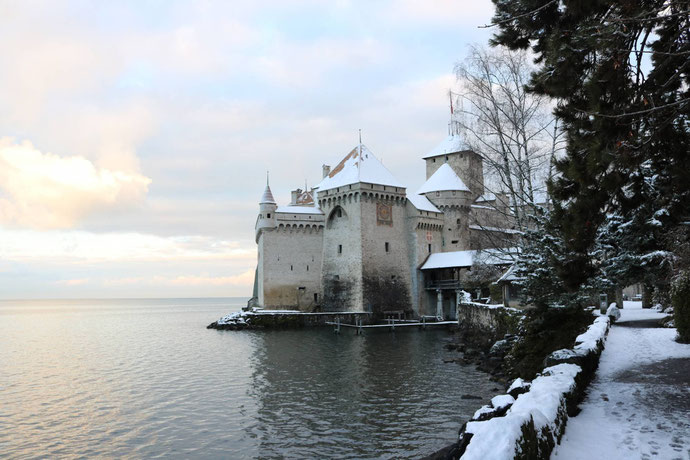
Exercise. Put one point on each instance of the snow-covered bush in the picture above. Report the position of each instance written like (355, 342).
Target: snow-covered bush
(680, 298)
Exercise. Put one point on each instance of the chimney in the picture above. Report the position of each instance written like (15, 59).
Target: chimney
(295, 195)
(326, 170)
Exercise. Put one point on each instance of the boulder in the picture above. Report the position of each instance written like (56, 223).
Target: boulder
(613, 313)
(518, 387)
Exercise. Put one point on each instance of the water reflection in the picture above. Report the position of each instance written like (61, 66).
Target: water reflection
(146, 379)
(377, 395)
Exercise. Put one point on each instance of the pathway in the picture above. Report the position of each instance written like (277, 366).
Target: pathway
(638, 406)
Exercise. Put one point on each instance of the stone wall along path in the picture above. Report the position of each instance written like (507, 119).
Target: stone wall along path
(638, 405)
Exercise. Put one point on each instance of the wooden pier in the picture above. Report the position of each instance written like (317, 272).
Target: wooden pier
(391, 324)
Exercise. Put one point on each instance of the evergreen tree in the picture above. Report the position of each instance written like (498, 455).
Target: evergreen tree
(626, 177)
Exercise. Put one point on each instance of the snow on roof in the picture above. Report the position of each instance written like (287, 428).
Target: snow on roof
(443, 179)
(459, 259)
(422, 203)
(267, 197)
(487, 196)
(360, 165)
(509, 275)
(451, 144)
(494, 229)
(298, 210)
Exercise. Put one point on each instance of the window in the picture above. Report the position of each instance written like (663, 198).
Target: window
(429, 248)
(433, 160)
(268, 216)
(316, 297)
(336, 277)
(388, 247)
(307, 267)
(290, 267)
(340, 212)
(438, 193)
(454, 242)
(393, 277)
(340, 249)
(446, 158)
(453, 192)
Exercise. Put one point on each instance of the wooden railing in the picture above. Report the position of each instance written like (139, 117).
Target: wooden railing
(443, 284)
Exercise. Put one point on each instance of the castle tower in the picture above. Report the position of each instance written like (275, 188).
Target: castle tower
(267, 211)
(449, 193)
(365, 238)
(466, 163)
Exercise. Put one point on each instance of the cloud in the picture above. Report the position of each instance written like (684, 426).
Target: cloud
(85, 247)
(42, 190)
(243, 280)
(72, 282)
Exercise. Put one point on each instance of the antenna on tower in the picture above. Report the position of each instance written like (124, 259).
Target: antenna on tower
(266, 178)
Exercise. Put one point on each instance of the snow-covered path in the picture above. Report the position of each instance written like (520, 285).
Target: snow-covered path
(638, 406)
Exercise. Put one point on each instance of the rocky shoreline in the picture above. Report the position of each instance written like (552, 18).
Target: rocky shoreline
(256, 318)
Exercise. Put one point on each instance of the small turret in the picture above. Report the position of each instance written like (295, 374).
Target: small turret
(267, 210)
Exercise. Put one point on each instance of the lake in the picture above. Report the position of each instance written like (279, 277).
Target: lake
(145, 378)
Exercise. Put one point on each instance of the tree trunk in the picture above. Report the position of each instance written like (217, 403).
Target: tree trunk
(619, 297)
(646, 296)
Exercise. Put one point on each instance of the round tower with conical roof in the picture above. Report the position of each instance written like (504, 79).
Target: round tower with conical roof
(267, 211)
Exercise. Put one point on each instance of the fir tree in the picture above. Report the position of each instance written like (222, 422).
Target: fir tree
(626, 177)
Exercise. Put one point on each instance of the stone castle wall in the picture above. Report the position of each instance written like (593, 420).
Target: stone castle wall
(342, 254)
(385, 273)
(425, 236)
(290, 260)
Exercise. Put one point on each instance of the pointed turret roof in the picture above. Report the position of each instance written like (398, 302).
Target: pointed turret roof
(360, 165)
(443, 179)
(267, 197)
(451, 144)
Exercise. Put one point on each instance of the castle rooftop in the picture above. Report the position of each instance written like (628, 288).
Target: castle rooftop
(422, 203)
(298, 210)
(451, 144)
(360, 165)
(267, 197)
(443, 179)
(462, 259)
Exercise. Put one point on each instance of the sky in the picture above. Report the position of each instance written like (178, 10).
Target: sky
(135, 136)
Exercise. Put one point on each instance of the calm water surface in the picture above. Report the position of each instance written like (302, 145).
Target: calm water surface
(144, 378)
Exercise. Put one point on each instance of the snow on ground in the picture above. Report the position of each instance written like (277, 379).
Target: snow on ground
(638, 405)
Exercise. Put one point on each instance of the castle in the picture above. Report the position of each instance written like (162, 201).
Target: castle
(358, 241)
